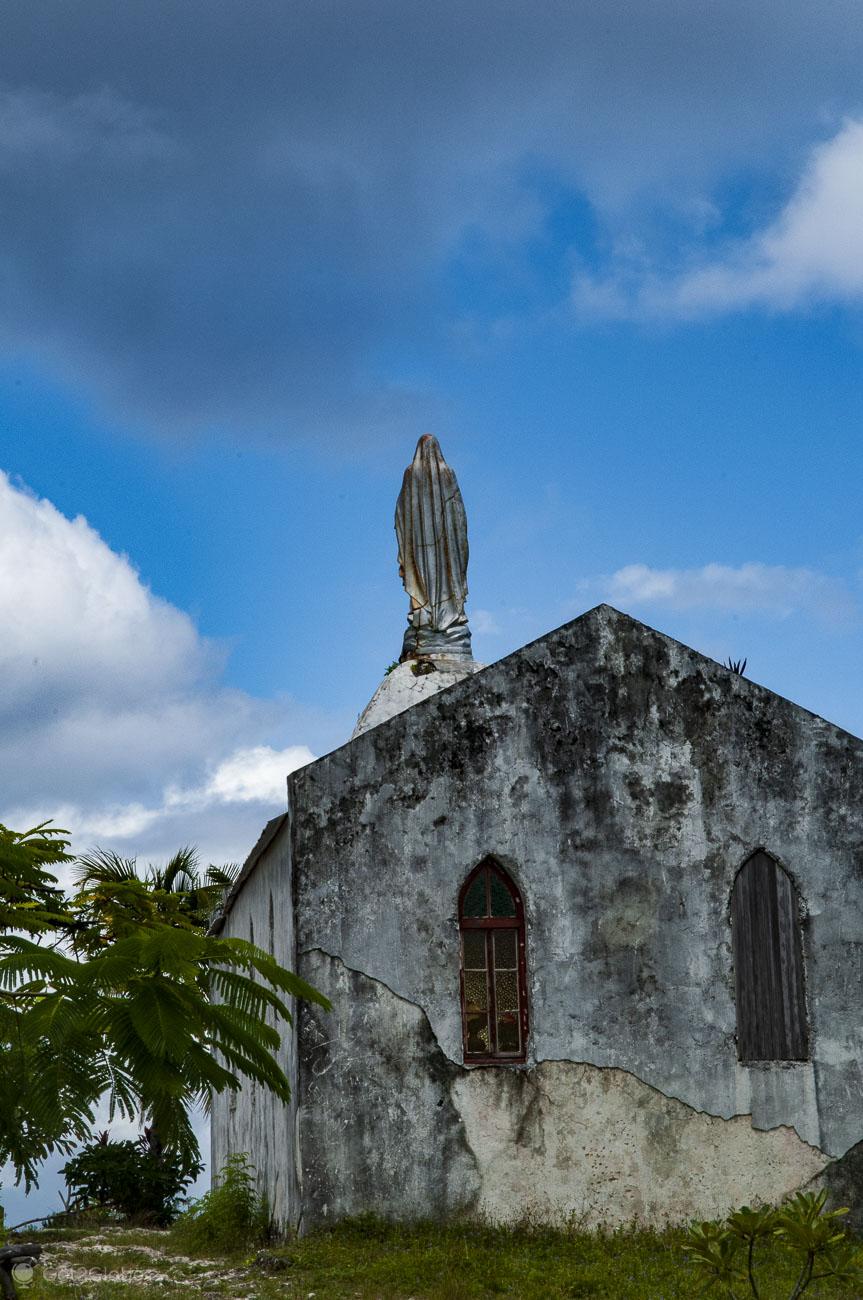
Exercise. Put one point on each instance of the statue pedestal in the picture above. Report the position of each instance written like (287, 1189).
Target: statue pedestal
(403, 687)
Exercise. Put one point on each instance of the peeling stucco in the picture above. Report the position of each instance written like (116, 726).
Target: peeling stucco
(406, 1129)
(570, 1141)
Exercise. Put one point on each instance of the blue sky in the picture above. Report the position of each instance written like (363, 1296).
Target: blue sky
(249, 253)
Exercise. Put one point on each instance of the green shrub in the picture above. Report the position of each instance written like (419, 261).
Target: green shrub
(725, 1255)
(139, 1183)
(231, 1217)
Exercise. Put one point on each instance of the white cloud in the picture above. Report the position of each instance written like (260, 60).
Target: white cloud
(254, 776)
(484, 623)
(113, 720)
(250, 775)
(753, 588)
(812, 252)
(75, 615)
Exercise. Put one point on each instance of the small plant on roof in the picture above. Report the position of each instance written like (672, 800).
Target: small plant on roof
(736, 665)
(421, 667)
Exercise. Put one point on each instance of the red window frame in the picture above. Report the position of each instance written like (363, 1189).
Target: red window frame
(488, 925)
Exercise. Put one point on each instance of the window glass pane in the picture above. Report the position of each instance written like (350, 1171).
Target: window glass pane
(504, 950)
(506, 990)
(477, 1032)
(474, 899)
(474, 949)
(475, 990)
(502, 901)
(508, 1037)
(476, 1010)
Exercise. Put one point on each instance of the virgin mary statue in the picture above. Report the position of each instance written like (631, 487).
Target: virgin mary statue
(431, 527)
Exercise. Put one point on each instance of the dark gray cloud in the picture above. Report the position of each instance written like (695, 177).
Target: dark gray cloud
(227, 214)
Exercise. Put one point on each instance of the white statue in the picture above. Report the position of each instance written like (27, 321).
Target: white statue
(431, 526)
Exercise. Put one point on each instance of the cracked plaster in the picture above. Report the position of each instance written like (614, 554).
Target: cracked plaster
(564, 1141)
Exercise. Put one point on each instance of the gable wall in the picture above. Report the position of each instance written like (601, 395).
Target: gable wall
(622, 779)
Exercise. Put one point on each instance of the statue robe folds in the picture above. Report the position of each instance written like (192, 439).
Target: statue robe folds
(432, 534)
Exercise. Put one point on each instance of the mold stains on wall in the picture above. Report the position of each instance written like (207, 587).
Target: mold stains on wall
(843, 1179)
(378, 1129)
(389, 1124)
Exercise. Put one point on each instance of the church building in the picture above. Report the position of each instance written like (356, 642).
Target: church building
(591, 921)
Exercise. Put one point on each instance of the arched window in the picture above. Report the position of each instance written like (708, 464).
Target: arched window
(768, 963)
(493, 971)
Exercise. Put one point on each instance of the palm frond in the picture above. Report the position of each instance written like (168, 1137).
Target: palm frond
(239, 952)
(223, 877)
(103, 866)
(181, 873)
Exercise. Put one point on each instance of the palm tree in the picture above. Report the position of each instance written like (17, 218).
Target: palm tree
(178, 893)
(118, 989)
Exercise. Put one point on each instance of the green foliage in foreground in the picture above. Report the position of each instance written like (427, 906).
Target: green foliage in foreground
(729, 1256)
(139, 1183)
(367, 1259)
(116, 989)
(230, 1217)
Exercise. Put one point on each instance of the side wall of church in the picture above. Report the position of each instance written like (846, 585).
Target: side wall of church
(252, 1121)
(622, 780)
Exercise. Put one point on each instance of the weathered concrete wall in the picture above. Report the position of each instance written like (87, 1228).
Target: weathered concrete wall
(252, 1120)
(622, 779)
(376, 1105)
(389, 1122)
(843, 1180)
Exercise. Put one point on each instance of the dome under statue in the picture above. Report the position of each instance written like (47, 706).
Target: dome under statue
(590, 920)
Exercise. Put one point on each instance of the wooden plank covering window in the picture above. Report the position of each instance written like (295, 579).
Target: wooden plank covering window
(768, 964)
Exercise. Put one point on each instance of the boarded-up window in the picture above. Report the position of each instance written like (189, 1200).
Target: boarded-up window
(493, 967)
(768, 964)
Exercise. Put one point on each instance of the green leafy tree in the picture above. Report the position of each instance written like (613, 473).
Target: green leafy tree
(116, 989)
(132, 1178)
(114, 896)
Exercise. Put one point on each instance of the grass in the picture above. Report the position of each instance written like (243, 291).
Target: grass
(367, 1259)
